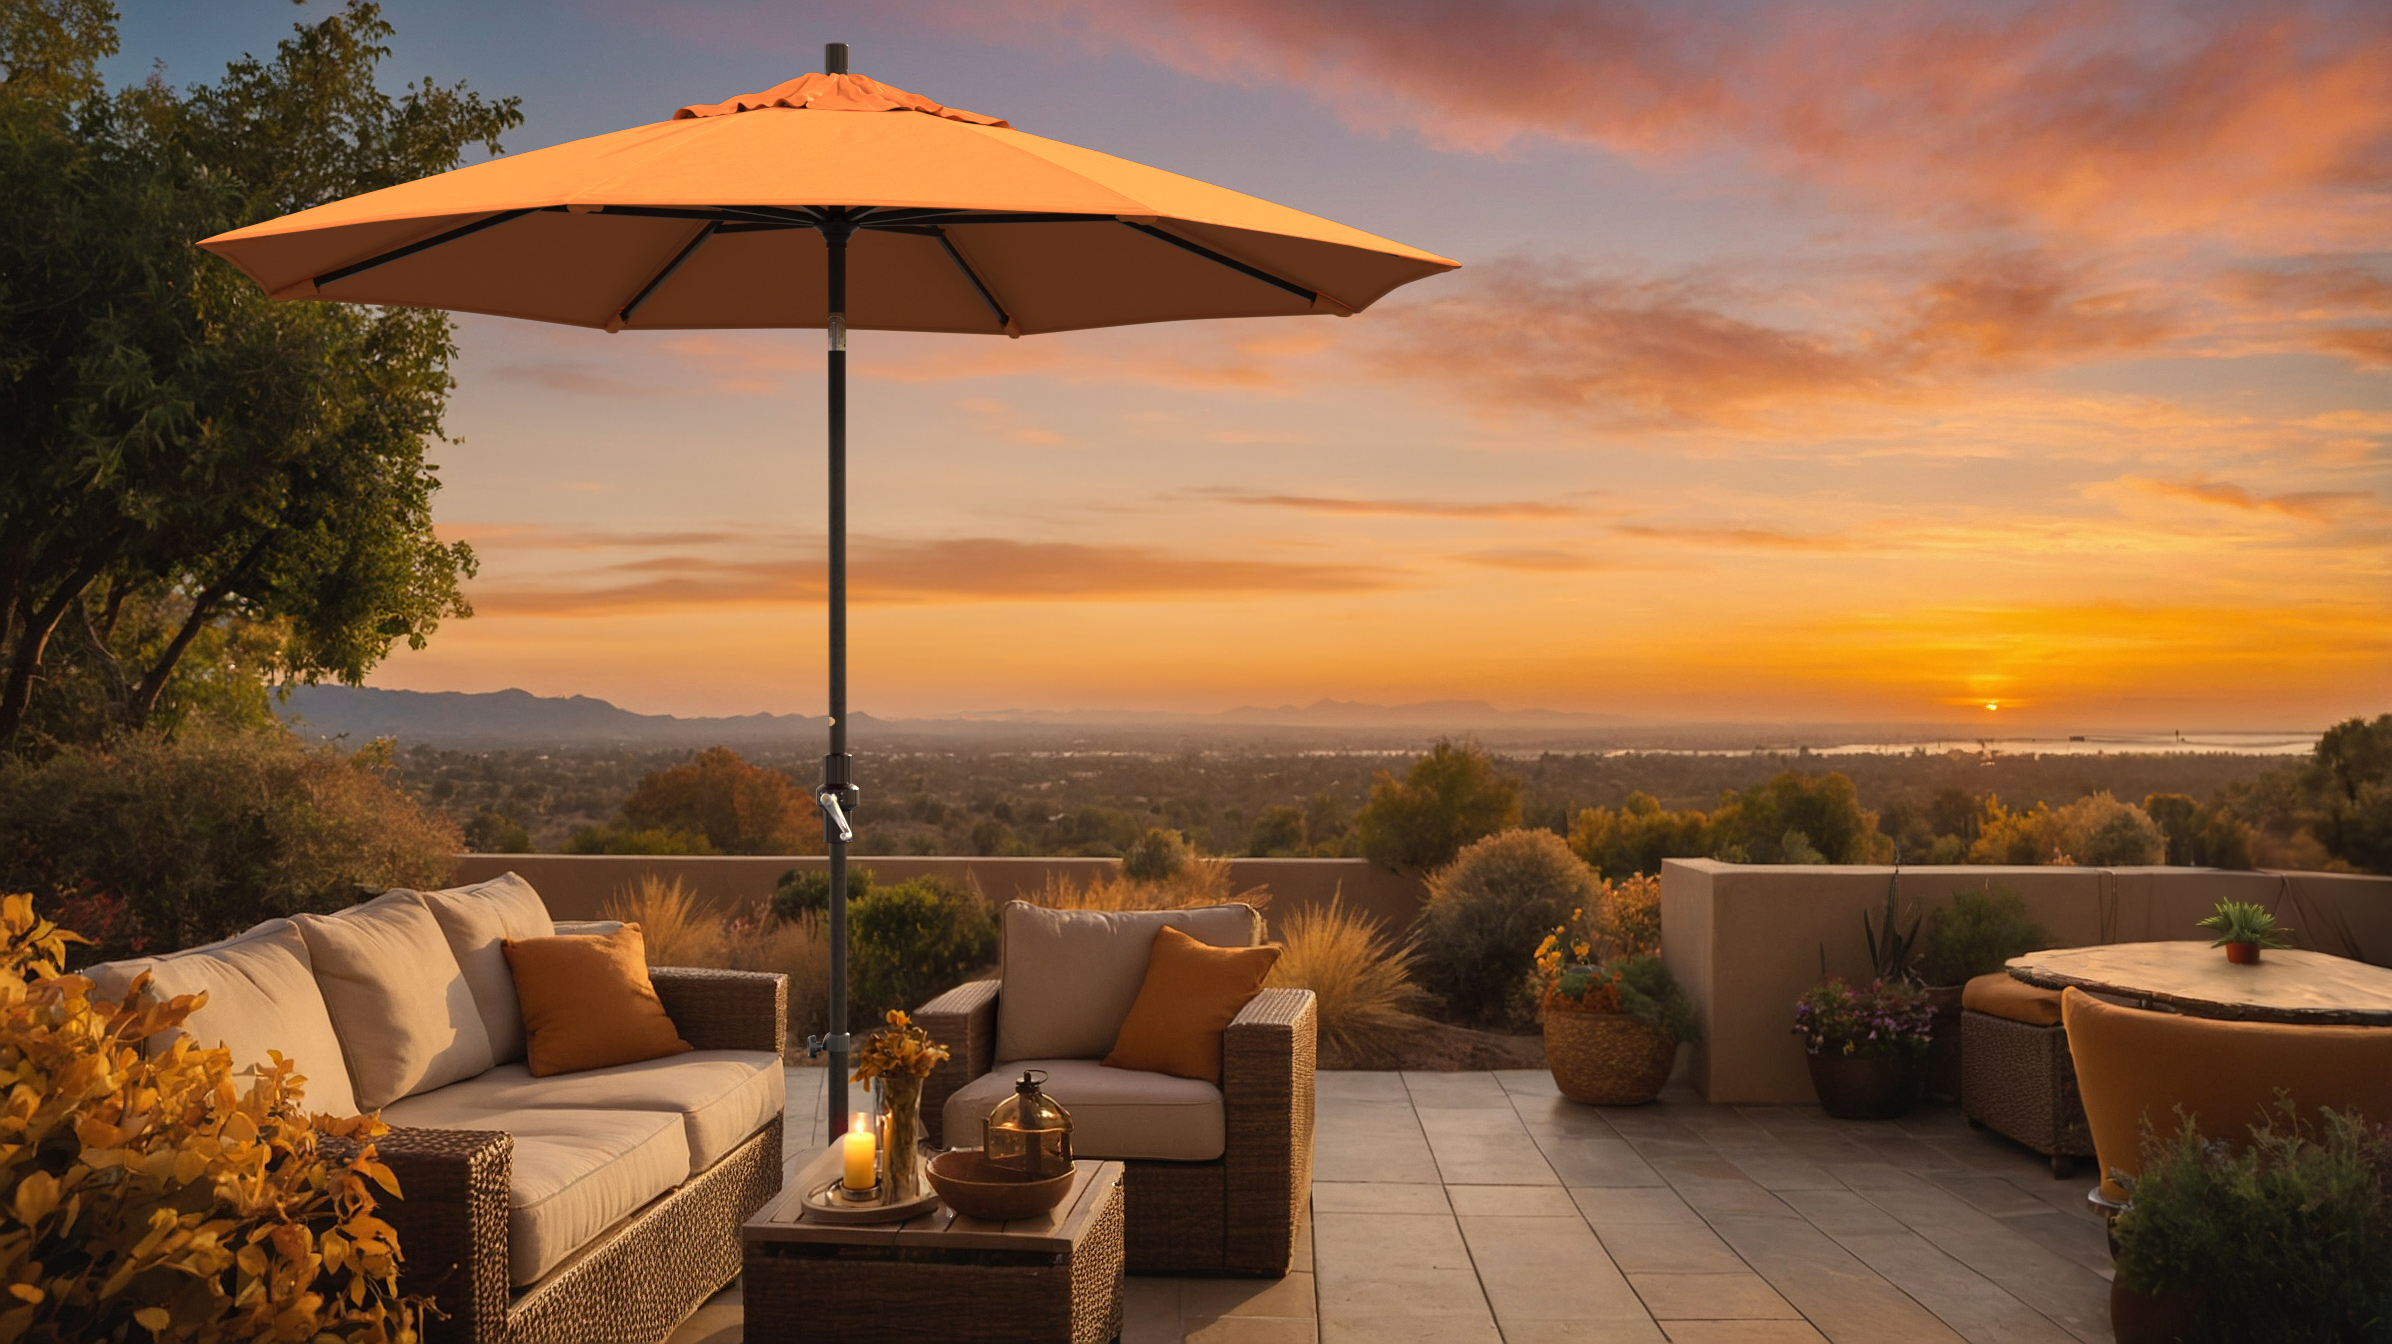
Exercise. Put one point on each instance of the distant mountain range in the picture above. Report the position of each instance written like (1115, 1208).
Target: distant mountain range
(515, 718)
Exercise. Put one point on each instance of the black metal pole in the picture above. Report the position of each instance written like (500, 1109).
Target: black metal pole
(838, 794)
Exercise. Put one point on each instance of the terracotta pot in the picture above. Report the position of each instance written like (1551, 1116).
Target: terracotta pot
(1606, 1059)
(1865, 1087)
(2243, 954)
(2164, 1318)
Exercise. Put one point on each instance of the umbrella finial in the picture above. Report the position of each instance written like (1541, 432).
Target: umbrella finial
(834, 58)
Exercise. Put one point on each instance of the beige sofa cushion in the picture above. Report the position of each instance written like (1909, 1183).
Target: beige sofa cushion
(476, 920)
(1115, 1113)
(262, 996)
(1071, 975)
(405, 1015)
(722, 1096)
(578, 1173)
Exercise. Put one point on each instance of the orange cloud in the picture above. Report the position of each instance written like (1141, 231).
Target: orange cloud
(1741, 538)
(891, 572)
(1520, 509)
(2311, 505)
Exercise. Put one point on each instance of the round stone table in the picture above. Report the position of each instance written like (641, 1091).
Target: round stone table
(2195, 979)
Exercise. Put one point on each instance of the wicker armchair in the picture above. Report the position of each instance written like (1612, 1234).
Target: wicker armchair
(642, 1277)
(1235, 1215)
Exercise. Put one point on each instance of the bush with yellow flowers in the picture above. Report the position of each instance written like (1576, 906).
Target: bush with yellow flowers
(151, 1198)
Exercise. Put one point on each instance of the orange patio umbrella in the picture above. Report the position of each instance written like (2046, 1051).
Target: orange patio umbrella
(786, 209)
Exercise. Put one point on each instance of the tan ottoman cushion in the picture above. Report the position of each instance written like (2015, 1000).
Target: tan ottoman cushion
(406, 1017)
(2002, 994)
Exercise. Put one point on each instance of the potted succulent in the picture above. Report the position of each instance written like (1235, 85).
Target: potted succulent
(1972, 936)
(2242, 929)
(1865, 1046)
(1612, 1025)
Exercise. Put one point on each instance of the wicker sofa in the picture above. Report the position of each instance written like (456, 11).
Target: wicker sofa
(601, 1206)
(1216, 1179)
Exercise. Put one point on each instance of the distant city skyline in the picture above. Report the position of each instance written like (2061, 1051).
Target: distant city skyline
(1880, 363)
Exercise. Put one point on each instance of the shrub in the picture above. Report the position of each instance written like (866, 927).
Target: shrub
(1362, 979)
(2289, 1232)
(674, 928)
(2096, 830)
(1203, 881)
(913, 940)
(1478, 932)
(1976, 933)
(1631, 914)
(1449, 798)
(150, 1199)
(793, 947)
(490, 831)
(617, 838)
(803, 891)
(197, 838)
(1157, 856)
(1278, 832)
(1887, 1018)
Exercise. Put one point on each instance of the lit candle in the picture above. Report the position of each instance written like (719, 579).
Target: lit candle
(855, 1151)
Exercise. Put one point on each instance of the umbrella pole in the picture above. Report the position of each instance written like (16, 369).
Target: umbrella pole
(838, 794)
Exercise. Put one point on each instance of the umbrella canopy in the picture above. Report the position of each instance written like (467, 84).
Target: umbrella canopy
(712, 219)
(830, 201)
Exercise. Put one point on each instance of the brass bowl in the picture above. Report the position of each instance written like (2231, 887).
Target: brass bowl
(976, 1188)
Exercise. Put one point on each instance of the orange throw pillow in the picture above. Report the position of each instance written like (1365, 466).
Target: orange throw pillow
(1192, 992)
(588, 1003)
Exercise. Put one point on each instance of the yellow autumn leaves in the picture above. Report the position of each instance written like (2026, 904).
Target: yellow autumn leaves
(163, 1193)
(900, 1049)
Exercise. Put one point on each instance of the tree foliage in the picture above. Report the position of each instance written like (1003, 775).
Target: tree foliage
(714, 804)
(1449, 798)
(180, 454)
(1486, 910)
(162, 1196)
(2350, 779)
(154, 844)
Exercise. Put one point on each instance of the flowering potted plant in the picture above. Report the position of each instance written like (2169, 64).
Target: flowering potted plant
(2242, 929)
(1865, 1046)
(1613, 1023)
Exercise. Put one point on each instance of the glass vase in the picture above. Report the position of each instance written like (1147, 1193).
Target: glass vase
(901, 1135)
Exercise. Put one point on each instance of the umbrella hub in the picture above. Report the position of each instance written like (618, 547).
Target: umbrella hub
(836, 93)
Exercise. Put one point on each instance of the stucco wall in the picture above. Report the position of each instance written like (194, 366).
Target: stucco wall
(575, 885)
(1745, 940)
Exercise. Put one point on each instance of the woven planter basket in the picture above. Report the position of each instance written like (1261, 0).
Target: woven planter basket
(1606, 1059)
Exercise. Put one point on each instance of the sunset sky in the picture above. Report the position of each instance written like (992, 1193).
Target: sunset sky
(1876, 361)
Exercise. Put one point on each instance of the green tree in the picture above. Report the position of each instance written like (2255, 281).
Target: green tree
(1278, 832)
(1157, 856)
(2350, 778)
(1797, 818)
(1637, 836)
(1449, 798)
(180, 454)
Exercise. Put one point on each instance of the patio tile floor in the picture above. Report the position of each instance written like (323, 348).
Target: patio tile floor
(1484, 1207)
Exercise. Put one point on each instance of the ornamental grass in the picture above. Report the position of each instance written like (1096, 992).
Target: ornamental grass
(1361, 978)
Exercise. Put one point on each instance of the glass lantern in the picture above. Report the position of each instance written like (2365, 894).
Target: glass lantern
(1028, 1132)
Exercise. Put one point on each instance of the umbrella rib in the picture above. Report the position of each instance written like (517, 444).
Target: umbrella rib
(396, 254)
(1004, 319)
(1307, 295)
(623, 314)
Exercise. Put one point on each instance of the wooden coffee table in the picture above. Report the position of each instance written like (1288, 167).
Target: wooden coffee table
(937, 1276)
(2195, 979)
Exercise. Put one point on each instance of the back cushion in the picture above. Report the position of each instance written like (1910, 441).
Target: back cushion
(1071, 975)
(477, 921)
(406, 1017)
(262, 996)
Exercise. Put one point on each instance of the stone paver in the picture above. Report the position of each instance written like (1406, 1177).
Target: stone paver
(1485, 1209)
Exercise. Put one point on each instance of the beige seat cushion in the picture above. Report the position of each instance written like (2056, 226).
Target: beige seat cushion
(262, 996)
(722, 1096)
(476, 920)
(405, 1015)
(578, 1173)
(1071, 975)
(1115, 1113)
